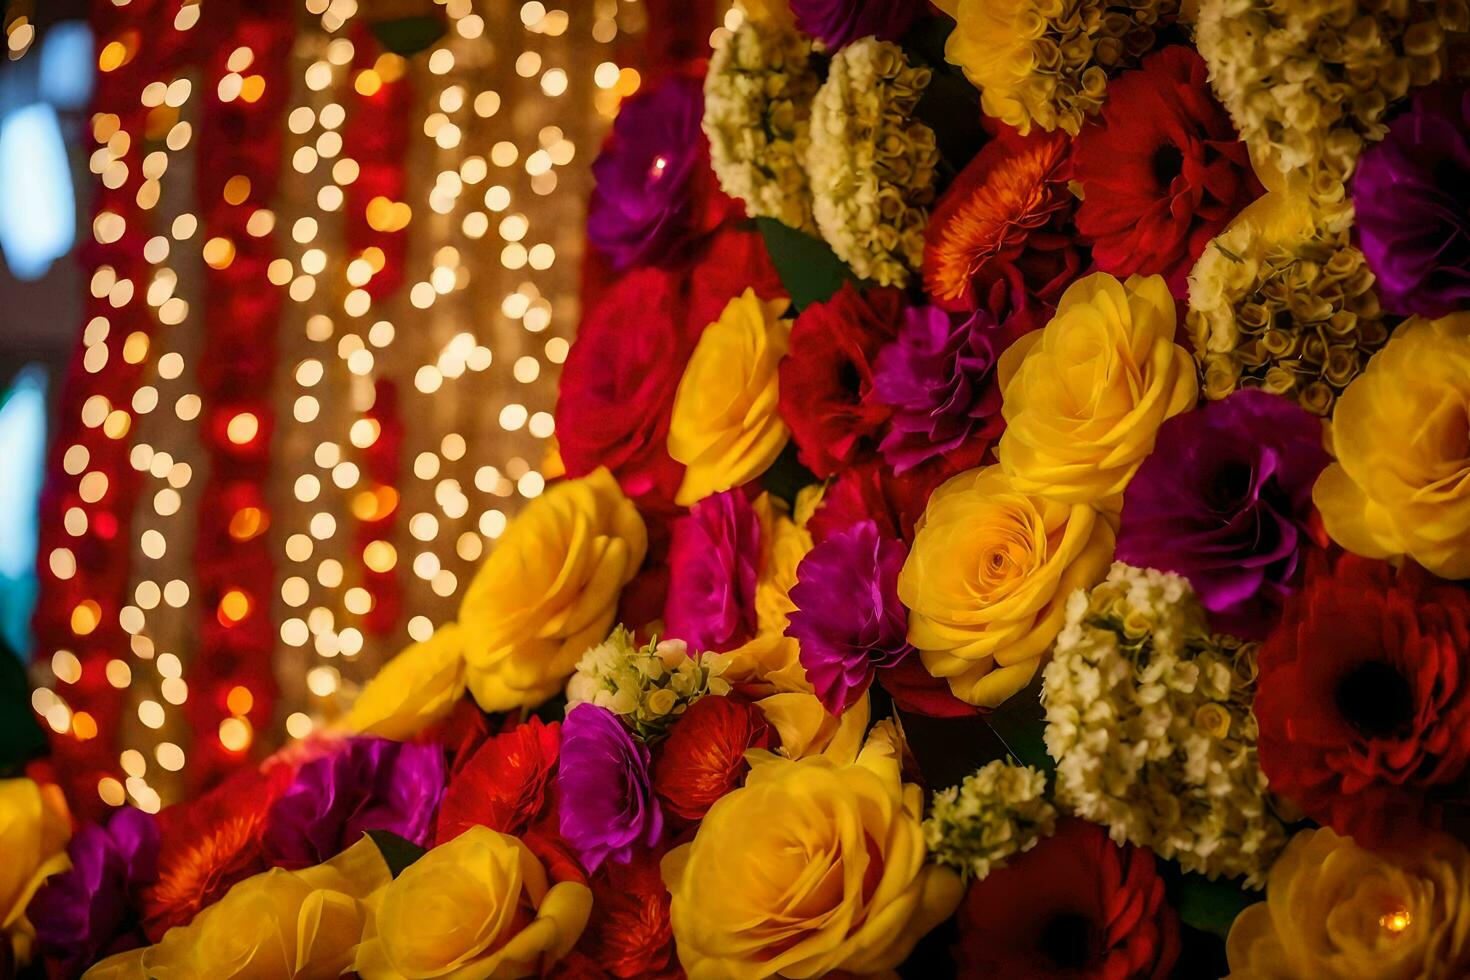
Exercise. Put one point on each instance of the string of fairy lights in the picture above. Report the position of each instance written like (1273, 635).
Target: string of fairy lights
(502, 130)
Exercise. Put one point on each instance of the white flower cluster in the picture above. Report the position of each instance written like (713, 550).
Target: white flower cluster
(1149, 719)
(998, 811)
(871, 164)
(648, 687)
(1309, 82)
(757, 102)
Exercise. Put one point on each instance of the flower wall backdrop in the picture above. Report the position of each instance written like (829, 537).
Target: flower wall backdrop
(1007, 516)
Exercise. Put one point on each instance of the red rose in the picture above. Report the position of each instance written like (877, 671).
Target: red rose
(919, 692)
(1075, 905)
(704, 756)
(504, 784)
(207, 844)
(826, 381)
(629, 934)
(1003, 220)
(1162, 170)
(1362, 700)
(618, 383)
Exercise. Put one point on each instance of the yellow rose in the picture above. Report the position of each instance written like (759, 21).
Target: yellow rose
(811, 866)
(991, 43)
(414, 689)
(280, 923)
(807, 728)
(1401, 483)
(549, 590)
(34, 829)
(1335, 911)
(987, 580)
(725, 428)
(1085, 396)
(458, 913)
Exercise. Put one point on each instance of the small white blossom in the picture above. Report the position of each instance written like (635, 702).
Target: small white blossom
(1149, 719)
(1000, 810)
(648, 687)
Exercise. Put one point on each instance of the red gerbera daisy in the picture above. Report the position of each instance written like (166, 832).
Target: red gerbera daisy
(1364, 698)
(629, 933)
(504, 784)
(1162, 170)
(1001, 220)
(1076, 905)
(704, 756)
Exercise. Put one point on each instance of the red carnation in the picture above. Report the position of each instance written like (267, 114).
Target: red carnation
(704, 756)
(826, 381)
(207, 844)
(629, 933)
(1162, 171)
(504, 785)
(1362, 702)
(618, 383)
(871, 492)
(1075, 905)
(1003, 220)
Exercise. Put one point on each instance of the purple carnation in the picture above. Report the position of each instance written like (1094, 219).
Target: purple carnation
(91, 910)
(837, 23)
(645, 203)
(1225, 500)
(607, 802)
(1412, 197)
(848, 619)
(367, 784)
(938, 377)
(713, 560)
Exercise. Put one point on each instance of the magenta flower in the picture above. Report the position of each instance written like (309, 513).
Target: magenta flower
(1225, 500)
(713, 560)
(837, 23)
(648, 200)
(848, 619)
(367, 784)
(91, 910)
(1412, 197)
(607, 806)
(939, 379)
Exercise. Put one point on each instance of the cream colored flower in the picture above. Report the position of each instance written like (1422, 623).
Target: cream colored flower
(1000, 810)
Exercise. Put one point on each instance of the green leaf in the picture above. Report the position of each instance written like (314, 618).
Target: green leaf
(1211, 906)
(808, 268)
(407, 36)
(397, 852)
(1020, 723)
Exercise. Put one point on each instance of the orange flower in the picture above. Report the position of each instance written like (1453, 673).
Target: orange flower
(996, 223)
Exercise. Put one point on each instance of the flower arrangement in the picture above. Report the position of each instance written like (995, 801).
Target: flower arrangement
(1014, 521)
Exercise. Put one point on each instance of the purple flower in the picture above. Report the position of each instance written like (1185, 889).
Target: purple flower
(840, 22)
(713, 559)
(938, 377)
(607, 802)
(1412, 196)
(848, 619)
(645, 203)
(90, 911)
(367, 784)
(1225, 500)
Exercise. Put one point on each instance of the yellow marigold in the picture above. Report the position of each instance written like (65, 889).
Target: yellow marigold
(987, 580)
(1401, 483)
(830, 875)
(1334, 911)
(725, 427)
(549, 590)
(280, 923)
(414, 689)
(1045, 62)
(1085, 396)
(480, 907)
(34, 829)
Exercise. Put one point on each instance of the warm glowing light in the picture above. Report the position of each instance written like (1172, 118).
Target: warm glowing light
(240, 700)
(242, 428)
(85, 617)
(1396, 921)
(248, 522)
(233, 607)
(235, 734)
